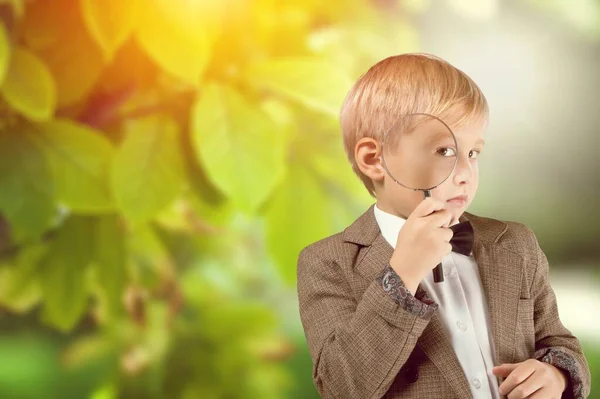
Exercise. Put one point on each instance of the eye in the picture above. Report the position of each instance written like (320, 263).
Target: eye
(446, 151)
(476, 152)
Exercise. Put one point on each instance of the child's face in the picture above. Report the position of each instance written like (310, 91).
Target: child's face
(393, 198)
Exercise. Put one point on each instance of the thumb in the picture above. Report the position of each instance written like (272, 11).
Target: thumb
(504, 369)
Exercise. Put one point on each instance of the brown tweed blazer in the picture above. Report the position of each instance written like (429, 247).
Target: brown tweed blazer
(363, 344)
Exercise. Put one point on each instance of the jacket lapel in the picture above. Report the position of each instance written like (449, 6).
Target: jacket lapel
(500, 271)
(501, 287)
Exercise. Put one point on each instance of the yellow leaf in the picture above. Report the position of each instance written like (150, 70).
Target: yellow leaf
(4, 52)
(54, 30)
(178, 36)
(18, 6)
(109, 22)
(310, 81)
(130, 67)
(28, 86)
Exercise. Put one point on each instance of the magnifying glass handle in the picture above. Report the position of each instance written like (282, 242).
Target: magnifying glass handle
(438, 271)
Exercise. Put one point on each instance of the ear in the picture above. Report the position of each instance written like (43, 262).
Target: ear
(367, 153)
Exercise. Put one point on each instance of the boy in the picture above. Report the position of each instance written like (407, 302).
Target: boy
(375, 322)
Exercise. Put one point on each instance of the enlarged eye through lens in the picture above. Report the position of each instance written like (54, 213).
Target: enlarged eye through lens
(447, 152)
(419, 151)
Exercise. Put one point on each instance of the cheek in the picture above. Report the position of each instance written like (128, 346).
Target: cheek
(475, 179)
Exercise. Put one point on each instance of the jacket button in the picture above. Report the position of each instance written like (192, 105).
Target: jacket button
(412, 374)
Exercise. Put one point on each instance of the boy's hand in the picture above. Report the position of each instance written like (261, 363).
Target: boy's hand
(423, 242)
(531, 379)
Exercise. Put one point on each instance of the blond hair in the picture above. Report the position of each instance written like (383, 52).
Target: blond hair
(405, 84)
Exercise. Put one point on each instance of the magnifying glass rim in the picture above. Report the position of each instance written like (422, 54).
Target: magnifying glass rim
(412, 188)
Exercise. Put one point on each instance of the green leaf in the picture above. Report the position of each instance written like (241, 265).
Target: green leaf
(331, 164)
(19, 285)
(148, 171)
(105, 392)
(23, 300)
(240, 148)
(109, 22)
(297, 215)
(28, 86)
(80, 158)
(212, 215)
(312, 82)
(148, 255)
(4, 52)
(29, 365)
(63, 273)
(221, 320)
(26, 186)
(110, 260)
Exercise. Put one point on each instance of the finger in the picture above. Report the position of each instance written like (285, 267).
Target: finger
(446, 234)
(504, 369)
(440, 218)
(542, 393)
(527, 387)
(427, 206)
(517, 376)
(448, 223)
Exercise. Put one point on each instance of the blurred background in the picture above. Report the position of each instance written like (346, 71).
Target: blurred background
(163, 162)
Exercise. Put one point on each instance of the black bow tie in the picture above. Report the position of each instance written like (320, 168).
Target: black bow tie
(462, 240)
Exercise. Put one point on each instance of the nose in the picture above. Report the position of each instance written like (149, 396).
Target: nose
(463, 172)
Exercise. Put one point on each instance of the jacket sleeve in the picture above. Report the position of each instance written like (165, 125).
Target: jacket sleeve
(554, 342)
(357, 347)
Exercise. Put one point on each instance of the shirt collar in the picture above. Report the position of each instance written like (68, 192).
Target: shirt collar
(389, 225)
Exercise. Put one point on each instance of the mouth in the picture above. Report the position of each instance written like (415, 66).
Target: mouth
(458, 200)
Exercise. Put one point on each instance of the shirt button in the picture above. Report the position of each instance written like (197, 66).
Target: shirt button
(476, 383)
(462, 326)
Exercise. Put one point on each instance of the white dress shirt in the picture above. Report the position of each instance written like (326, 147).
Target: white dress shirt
(463, 311)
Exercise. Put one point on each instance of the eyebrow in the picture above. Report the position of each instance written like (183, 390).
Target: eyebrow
(441, 135)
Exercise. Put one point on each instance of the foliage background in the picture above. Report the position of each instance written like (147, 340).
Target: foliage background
(163, 162)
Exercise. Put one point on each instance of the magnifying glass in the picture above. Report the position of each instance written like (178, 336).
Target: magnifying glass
(419, 152)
